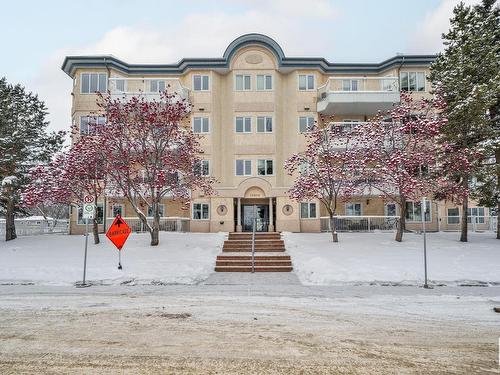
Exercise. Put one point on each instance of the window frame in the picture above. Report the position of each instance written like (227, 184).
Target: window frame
(122, 209)
(307, 118)
(309, 205)
(481, 218)
(307, 75)
(244, 161)
(448, 216)
(353, 209)
(418, 73)
(201, 124)
(244, 124)
(243, 81)
(264, 77)
(427, 202)
(98, 82)
(201, 82)
(265, 124)
(162, 211)
(265, 167)
(202, 169)
(88, 117)
(201, 204)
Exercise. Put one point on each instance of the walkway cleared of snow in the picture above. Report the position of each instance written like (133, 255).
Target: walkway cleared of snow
(377, 258)
(183, 258)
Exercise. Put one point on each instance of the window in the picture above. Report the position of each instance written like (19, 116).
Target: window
(349, 85)
(264, 124)
(264, 82)
(265, 167)
(88, 124)
(453, 216)
(93, 82)
(202, 168)
(117, 209)
(477, 213)
(412, 81)
(156, 85)
(353, 209)
(200, 82)
(120, 85)
(308, 210)
(100, 215)
(414, 211)
(243, 82)
(306, 82)
(243, 125)
(161, 208)
(243, 167)
(201, 125)
(306, 124)
(200, 211)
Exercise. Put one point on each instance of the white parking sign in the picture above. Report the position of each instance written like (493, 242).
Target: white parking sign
(88, 207)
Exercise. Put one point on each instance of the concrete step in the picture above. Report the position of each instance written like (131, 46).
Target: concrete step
(248, 263)
(257, 257)
(248, 236)
(249, 250)
(257, 269)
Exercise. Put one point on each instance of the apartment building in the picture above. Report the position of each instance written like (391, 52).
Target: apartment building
(252, 107)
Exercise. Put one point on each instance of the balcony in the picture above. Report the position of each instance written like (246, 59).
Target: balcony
(357, 95)
(150, 88)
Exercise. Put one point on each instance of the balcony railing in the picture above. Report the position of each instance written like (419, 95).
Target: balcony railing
(149, 88)
(358, 95)
(360, 223)
(167, 224)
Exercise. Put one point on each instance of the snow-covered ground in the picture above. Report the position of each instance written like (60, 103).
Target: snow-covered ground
(185, 258)
(376, 257)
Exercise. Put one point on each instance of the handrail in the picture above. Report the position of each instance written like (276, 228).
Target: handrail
(254, 225)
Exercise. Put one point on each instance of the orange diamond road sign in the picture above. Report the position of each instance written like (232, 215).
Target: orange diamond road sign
(118, 232)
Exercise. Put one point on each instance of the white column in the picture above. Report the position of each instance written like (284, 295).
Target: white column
(271, 219)
(238, 224)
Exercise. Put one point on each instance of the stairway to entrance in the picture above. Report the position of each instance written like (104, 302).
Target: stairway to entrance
(270, 255)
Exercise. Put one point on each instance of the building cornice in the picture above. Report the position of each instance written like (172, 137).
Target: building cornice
(71, 63)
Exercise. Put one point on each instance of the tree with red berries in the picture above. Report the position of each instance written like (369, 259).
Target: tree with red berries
(73, 174)
(404, 154)
(152, 153)
(330, 169)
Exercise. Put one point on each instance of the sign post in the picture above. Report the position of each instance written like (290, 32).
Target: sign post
(88, 214)
(118, 233)
(423, 212)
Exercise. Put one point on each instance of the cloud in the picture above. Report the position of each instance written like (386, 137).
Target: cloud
(195, 35)
(427, 36)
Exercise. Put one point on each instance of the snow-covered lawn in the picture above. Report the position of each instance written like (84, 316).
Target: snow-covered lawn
(185, 258)
(376, 257)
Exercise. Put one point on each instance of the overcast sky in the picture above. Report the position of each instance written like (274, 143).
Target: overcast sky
(36, 35)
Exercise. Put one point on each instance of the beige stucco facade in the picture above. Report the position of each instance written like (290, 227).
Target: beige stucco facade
(222, 102)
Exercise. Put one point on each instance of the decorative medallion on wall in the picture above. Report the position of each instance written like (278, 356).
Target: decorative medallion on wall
(253, 59)
(222, 210)
(287, 209)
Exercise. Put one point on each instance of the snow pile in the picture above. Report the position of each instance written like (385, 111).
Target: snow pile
(377, 258)
(181, 258)
(9, 180)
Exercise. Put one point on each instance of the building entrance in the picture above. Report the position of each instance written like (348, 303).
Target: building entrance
(260, 211)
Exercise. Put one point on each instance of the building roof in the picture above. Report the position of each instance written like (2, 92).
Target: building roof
(71, 63)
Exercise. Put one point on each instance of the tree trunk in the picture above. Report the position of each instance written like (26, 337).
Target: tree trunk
(402, 222)
(155, 233)
(463, 234)
(95, 229)
(333, 228)
(497, 160)
(10, 226)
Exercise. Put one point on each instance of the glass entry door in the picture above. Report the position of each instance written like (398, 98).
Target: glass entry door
(261, 211)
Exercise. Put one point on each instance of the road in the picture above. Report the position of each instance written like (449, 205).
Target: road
(258, 326)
